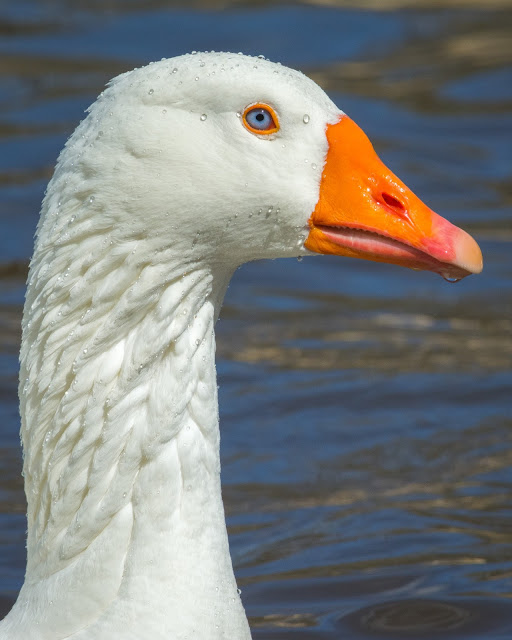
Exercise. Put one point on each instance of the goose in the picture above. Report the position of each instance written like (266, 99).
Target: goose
(181, 171)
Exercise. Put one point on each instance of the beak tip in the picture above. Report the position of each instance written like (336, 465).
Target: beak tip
(468, 254)
(465, 254)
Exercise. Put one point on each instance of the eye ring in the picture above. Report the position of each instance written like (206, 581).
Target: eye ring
(261, 119)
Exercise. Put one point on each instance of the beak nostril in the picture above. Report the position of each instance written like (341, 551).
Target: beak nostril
(393, 202)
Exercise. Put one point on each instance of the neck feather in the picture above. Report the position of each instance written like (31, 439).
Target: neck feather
(120, 429)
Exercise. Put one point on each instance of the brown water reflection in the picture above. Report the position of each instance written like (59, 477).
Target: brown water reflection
(447, 499)
(123, 6)
(395, 335)
(414, 73)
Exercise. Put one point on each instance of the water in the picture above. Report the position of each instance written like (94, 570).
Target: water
(366, 414)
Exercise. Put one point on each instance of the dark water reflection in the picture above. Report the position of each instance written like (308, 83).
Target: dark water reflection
(367, 441)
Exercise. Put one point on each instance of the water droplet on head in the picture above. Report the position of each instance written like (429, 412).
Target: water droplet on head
(164, 111)
(201, 64)
(175, 70)
(196, 78)
(91, 199)
(193, 53)
(305, 119)
(204, 116)
(313, 165)
(151, 92)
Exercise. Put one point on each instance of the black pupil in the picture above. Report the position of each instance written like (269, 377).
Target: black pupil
(260, 117)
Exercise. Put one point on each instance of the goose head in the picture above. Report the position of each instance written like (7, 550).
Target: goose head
(227, 158)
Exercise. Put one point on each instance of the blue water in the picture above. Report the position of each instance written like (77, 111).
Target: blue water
(366, 409)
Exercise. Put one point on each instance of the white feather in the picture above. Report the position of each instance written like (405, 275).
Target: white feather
(151, 209)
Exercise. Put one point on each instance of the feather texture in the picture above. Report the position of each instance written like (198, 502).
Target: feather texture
(149, 212)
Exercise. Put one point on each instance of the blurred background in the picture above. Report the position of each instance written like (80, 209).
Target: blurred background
(366, 409)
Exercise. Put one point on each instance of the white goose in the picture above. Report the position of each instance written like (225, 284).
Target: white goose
(182, 171)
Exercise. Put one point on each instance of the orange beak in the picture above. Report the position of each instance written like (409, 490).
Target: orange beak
(365, 211)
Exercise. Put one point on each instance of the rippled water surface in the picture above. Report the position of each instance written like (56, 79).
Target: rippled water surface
(366, 409)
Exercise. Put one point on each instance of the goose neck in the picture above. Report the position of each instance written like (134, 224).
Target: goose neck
(123, 468)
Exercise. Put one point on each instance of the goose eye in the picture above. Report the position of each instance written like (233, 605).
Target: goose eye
(260, 119)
